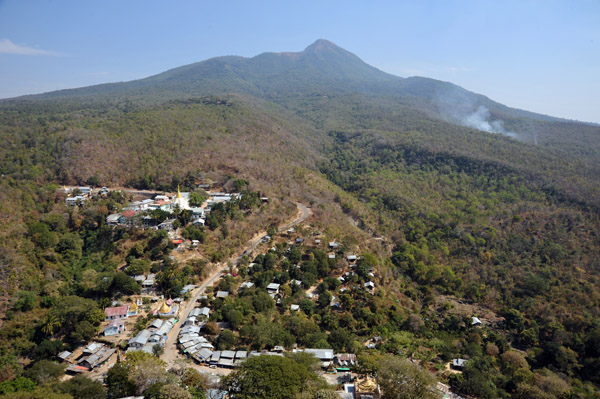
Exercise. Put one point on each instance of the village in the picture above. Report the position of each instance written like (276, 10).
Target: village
(181, 327)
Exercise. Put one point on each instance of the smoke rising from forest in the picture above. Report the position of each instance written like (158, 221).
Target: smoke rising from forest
(480, 119)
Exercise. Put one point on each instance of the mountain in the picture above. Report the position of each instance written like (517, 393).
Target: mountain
(326, 69)
(467, 207)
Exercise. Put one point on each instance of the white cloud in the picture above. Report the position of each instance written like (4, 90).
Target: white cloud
(8, 47)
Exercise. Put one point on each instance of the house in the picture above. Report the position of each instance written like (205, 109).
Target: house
(475, 321)
(203, 313)
(140, 340)
(197, 213)
(240, 356)
(459, 364)
(333, 244)
(128, 218)
(155, 338)
(247, 284)
(166, 328)
(227, 358)
(345, 359)
(85, 191)
(156, 323)
(113, 220)
(222, 294)
(118, 312)
(294, 308)
(162, 204)
(215, 358)
(352, 258)
(273, 288)
(166, 225)
(324, 355)
(148, 283)
(203, 355)
(63, 356)
(114, 327)
(72, 201)
(97, 358)
(370, 285)
(92, 348)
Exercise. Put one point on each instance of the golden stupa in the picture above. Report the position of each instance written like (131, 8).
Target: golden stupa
(164, 308)
(133, 307)
(178, 193)
(367, 385)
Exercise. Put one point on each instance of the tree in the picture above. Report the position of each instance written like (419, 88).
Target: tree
(118, 382)
(262, 302)
(125, 284)
(157, 350)
(45, 371)
(212, 328)
(234, 317)
(267, 377)
(48, 349)
(25, 301)
(307, 306)
(146, 370)
(162, 390)
(93, 181)
(84, 331)
(45, 392)
(81, 387)
(226, 339)
(196, 382)
(16, 385)
(324, 299)
(400, 379)
(50, 324)
(196, 198)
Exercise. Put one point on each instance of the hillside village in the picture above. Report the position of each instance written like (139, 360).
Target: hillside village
(201, 321)
(296, 224)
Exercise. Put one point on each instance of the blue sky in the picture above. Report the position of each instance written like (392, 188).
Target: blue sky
(542, 56)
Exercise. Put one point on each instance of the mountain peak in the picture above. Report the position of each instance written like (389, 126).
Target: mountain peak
(321, 45)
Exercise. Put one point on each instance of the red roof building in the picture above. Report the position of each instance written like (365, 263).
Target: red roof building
(118, 312)
(128, 214)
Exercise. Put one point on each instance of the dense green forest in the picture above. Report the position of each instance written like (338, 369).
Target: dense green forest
(464, 219)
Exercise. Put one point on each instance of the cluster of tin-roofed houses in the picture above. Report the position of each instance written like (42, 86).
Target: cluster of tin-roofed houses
(197, 347)
(136, 214)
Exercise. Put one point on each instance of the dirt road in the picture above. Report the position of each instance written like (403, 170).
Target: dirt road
(171, 353)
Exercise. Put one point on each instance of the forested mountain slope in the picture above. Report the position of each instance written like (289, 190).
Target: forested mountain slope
(508, 221)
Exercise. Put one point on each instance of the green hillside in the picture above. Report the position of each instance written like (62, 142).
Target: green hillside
(507, 223)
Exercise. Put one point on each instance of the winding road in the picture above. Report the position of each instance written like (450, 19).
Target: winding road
(171, 353)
